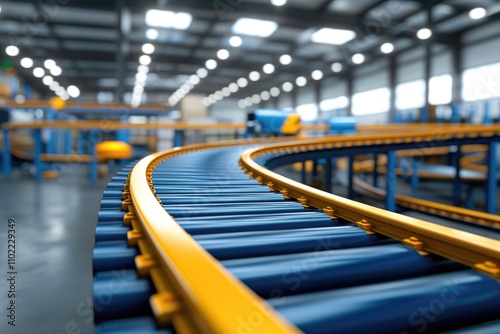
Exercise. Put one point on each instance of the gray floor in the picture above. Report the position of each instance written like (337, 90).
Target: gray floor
(55, 227)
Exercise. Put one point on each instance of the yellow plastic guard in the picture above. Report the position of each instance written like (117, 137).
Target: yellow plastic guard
(292, 125)
(108, 150)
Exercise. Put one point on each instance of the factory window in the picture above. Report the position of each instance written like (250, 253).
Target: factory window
(440, 89)
(335, 103)
(371, 102)
(481, 83)
(410, 95)
(308, 112)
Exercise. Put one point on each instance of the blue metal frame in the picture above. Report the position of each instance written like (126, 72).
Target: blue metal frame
(457, 181)
(37, 151)
(6, 157)
(350, 176)
(93, 159)
(375, 171)
(328, 175)
(491, 180)
(390, 197)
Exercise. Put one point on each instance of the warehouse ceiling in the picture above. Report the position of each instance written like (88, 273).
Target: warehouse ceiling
(97, 44)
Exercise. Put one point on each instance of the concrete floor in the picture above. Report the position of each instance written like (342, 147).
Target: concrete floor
(55, 228)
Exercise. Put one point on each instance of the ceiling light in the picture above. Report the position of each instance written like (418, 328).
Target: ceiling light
(254, 27)
(242, 104)
(47, 80)
(206, 102)
(137, 89)
(73, 91)
(65, 96)
(38, 72)
(211, 64)
(26, 62)
(194, 79)
(168, 19)
(256, 99)
(54, 85)
(12, 50)
(287, 87)
(60, 91)
(477, 13)
(226, 92)
(301, 81)
(145, 60)
(222, 54)
(279, 3)
(268, 68)
(56, 71)
(285, 59)
(212, 98)
(424, 33)
(218, 95)
(139, 83)
(275, 91)
(254, 76)
(202, 73)
(248, 101)
(333, 36)
(49, 64)
(317, 75)
(387, 48)
(152, 34)
(235, 41)
(143, 69)
(336, 67)
(233, 87)
(148, 48)
(358, 58)
(141, 77)
(242, 82)
(265, 95)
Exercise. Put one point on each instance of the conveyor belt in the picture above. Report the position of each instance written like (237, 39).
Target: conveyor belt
(321, 275)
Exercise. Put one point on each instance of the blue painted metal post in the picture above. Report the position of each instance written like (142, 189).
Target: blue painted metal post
(424, 115)
(455, 113)
(457, 181)
(37, 158)
(328, 174)
(390, 197)
(487, 114)
(303, 174)
(67, 142)
(123, 134)
(414, 176)
(177, 138)
(93, 156)
(350, 176)
(6, 157)
(375, 170)
(80, 145)
(491, 181)
(50, 115)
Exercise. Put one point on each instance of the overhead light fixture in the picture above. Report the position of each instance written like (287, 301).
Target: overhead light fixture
(254, 27)
(301, 81)
(254, 76)
(233, 87)
(477, 13)
(256, 99)
(73, 91)
(248, 101)
(38, 72)
(336, 67)
(141, 77)
(265, 95)
(143, 69)
(424, 33)
(60, 91)
(279, 3)
(202, 73)
(218, 95)
(226, 92)
(358, 58)
(211, 64)
(242, 82)
(49, 64)
(26, 62)
(148, 48)
(145, 60)
(275, 91)
(47, 80)
(333, 36)
(168, 19)
(285, 59)
(222, 54)
(54, 85)
(152, 34)
(56, 71)
(137, 89)
(268, 68)
(287, 87)
(12, 50)
(242, 104)
(235, 41)
(194, 79)
(387, 48)
(317, 75)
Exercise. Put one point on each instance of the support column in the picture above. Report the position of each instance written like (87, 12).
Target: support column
(390, 197)
(6, 157)
(491, 181)
(457, 181)
(37, 152)
(375, 171)
(328, 174)
(350, 176)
